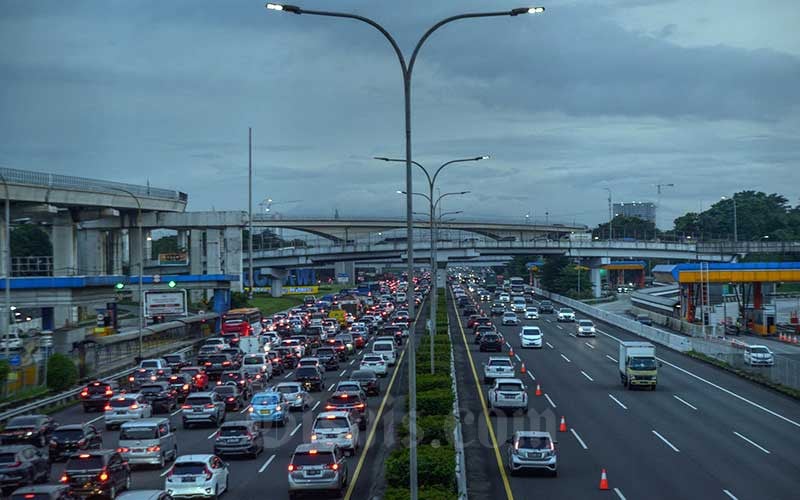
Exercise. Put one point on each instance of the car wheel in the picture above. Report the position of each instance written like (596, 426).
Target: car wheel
(128, 482)
(162, 461)
(112, 493)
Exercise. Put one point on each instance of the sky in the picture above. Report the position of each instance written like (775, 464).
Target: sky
(590, 95)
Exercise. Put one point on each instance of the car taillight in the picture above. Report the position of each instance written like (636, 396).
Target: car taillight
(226, 363)
(154, 448)
(209, 405)
(103, 476)
(64, 478)
(186, 407)
(333, 466)
(134, 406)
(185, 387)
(123, 449)
(130, 379)
(329, 407)
(230, 399)
(293, 467)
(14, 464)
(360, 405)
(82, 442)
(84, 393)
(107, 407)
(207, 363)
(207, 473)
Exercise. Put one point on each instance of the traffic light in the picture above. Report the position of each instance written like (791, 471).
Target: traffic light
(172, 283)
(119, 286)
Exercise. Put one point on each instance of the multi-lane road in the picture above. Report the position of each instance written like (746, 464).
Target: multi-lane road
(703, 433)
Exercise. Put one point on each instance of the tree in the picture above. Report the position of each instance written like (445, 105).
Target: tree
(61, 372)
(29, 240)
(167, 244)
(551, 272)
(627, 227)
(239, 299)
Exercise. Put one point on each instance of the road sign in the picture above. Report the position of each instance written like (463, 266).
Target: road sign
(156, 278)
(165, 303)
(15, 360)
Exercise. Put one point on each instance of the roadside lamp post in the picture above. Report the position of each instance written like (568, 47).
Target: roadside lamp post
(7, 313)
(735, 221)
(141, 261)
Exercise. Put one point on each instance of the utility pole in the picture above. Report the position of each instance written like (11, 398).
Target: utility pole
(250, 211)
(610, 215)
(658, 201)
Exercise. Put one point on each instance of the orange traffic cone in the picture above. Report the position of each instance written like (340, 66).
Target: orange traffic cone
(603, 480)
(563, 426)
(510, 352)
(795, 341)
(538, 390)
(522, 369)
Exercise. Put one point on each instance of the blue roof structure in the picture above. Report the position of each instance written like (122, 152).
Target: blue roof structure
(45, 282)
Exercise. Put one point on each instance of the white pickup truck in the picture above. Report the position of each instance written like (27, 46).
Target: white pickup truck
(497, 367)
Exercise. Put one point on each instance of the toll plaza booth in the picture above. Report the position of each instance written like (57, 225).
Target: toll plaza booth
(623, 272)
(721, 291)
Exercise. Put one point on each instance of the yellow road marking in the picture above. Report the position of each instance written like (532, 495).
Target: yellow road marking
(497, 456)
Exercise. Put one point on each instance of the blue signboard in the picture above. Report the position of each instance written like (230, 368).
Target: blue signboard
(15, 360)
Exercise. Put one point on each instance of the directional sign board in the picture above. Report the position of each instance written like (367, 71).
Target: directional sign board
(165, 303)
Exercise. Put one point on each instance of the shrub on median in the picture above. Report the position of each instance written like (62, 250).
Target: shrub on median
(431, 429)
(435, 402)
(61, 372)
(439, 380)
(426, 493)
(435, 466)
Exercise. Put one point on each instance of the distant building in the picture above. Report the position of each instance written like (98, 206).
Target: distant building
(642, 209)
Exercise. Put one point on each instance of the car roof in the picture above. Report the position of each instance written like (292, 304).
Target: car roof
(498, 358)
(144, 422)
(206, 394)
(70, 427)
(533, 434)
(335, 413)
(320, 447)
(508, 381)
(288, 384)
(193, 458)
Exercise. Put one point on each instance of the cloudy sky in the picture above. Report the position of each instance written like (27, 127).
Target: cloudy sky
(598, 94)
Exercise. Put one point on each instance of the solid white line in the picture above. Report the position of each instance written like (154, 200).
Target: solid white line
(331, 387)
(753, 443)
(548, 321)
(566, 359)
(712, 384)
(244, 409)
(101, 416)
(288, 375)
(266, 464)
(583, 445)
(590, 346)
(171, 414)
(587, 376)
(517, 356)
(659, 436)
(296, 429)
(619, 494)
(549, 345)
(166, 471)
(685, 402)
(611, 358)
(573, 335)
(549, 400)
(618, 402)
(213, 434)
(530, 374)
(559, 327)
(343, 372)
(315, 406)
(730, 495)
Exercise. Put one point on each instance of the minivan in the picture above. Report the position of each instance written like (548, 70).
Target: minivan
(150, 441)
(385, 348)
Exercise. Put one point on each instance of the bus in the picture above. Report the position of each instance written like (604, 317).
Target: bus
(517, 284)
(242, 322)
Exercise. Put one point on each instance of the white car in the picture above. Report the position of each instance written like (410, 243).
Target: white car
(336, 428)
(126, 407)
(585, 328)
(385, 348)
(531, 336)
(510, 318)
(565, 314)
(375, 363)
(531, 313)
(218, 343)
(12, 341)
(508, 394)
(197, 476)
(497, 367)
(504, 297)
(758, 355)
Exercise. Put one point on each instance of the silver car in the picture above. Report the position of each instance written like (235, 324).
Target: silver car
(531, 450)
(126, 407)
(203, 407)
(150, 441)
(508, 394)
(336, 428)
(317, 467)
(510, 318)
(497, 367)
(298, 398)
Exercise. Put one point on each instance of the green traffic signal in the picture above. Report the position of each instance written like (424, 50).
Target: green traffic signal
(119, 286)
(172, 283)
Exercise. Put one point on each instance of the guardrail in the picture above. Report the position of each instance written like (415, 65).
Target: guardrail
(458, 439)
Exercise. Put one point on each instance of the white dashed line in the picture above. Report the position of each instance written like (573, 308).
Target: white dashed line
(618, 402)
(213, 434)
(531, 376)
(549, 345)
(583, 445)
(351, 362)
(659, 436)
(685, 402)
(517, 356)
(331, 387)
(566, 359)
(315, 406)
(590, 346)
(753, 443)
(294, 431)
(343, 372)
(288, 375)
(730, 495)
(548, 321)
(611, 358)
(171, 414)
(266, 464)
(101, 416)
(587, 376)
(166, 471)
(619, 494)
(547, 396)
(244, 409)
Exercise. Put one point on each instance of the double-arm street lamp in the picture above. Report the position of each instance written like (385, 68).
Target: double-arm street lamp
(141, 262)
(407, 69)
(735, 221)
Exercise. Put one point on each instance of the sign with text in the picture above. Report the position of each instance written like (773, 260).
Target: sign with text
(290, 290)
(173, 259)
(165, 303)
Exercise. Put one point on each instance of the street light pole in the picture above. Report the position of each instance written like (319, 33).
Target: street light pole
(610, 215)
(406, 73)
(6, 324)
(735, 222)
(141, 262)
(250, 211)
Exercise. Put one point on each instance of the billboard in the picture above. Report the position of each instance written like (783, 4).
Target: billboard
(290, 290)
(164, 303)
(173, 259)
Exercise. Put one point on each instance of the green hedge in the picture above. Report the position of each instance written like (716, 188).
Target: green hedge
(426, 493)
(435, 402)
(431, 428)
(436, 466)
(427, 382)
(61, 372)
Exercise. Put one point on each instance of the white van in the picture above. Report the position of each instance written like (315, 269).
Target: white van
(385, 348)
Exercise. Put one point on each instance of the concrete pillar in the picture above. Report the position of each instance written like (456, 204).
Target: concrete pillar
(276, 276)
(232, 257)
(276, 287)
(348, 268)
(183, 240)
(134, 250)
(213, 255)
(117, 247)
(65, 246)
(2, 246)
(64, 315)
(196, 259)
(597, 284)
(148, 244)
(91, 253)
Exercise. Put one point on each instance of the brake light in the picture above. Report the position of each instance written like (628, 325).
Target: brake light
(123, 449)
(84, 393)
(29, 495)
(130, 379)
(106, 407)
(64, 478)
(230, 399)
(360, 405)
(109, 392)
(186, 407)
(208, 473)
(293, 467)
(134, 406)
(209, 405)
(226, 363)
(154, 448)
(333, 466)
(330, 407)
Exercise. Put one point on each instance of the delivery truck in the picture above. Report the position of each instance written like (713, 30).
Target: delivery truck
(638, 366)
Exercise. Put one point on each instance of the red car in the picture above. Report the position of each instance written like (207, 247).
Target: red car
(358, 340)
(198, 375)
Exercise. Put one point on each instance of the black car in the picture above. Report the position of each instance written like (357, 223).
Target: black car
(28, 429)
(546, 306)
(346, 401)
(392, 331)
(277, 364)
(288, 357)
(239, 437)
(236, 356)
(96, 394)
(21, 465)
(160, 395)
(310, 377)
(176, 361)
(241, 379)
(43, 492)
(216, 364)
(328, 357)
(481, 331)
(469, 310)
(231, 395)
(368, 381)
(141, 376)
(491, 342)
(497, 309)
(67, 439)
(341, 349)
(98, 472)
(181, 383)
(464, 301)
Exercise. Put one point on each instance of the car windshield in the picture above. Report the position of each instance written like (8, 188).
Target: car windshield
(760, 350)
(499, 362)
(301, 459)
(331, 423)
(173, 358)
(188, 469)
(23, 422)
(198, 401)
(121, 402)
(566, 311)
(509, 386)
(254, 360)
(139, 432)
(306, 371)
(325, 352)
(362, 375)
(220, 358)
(227, 390)
(266, 399)
(533, 443)
(490, 337)
(153, 363)
(585, 323)
(531, 331)
(190, 371)
(348, 386)
(67, 434)
(84, 462)
(381, 346)
(229, 431)
(288, 389)
(643, 364)
(145, 389)
(96, 389)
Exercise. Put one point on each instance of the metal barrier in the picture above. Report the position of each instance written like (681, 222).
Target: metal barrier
(458, 439)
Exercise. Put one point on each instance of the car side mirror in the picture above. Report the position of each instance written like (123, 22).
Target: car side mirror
(509, 440)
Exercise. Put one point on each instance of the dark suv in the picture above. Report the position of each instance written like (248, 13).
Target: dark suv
(22, 464)
(310, 377)
(231, 395)
(28, 429)
(368, 381)
(160, 396)
(240, 437)
(491, 342)
(216, 364)
(344, 401)
(96, 395)
(497, 309)
(67, 439)
(546, 306)
(181, 383)
(100, 472)
(328, 357)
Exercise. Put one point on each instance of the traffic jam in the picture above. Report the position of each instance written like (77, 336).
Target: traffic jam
(324, 362)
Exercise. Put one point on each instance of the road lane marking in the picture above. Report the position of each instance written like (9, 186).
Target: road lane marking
(517, 356)
(266, 464)
(500, 464)
(331, 387)
(315, 406)
(166, 471)
(530, 374)
(566, 359)
(712, 384)
(583, 445)
(753, 443)
(619, 494)
(611, 358)
(547, 396)
(730, 495)
(684, 402)
(213, 434)
(102, 416)
(559, 327)
(343, 372)
(549, 345)
(288, 375)
(590, 346)
(548, 321)
(244, 409)
(171, 414)
(659, 436)
(296, 429)
(618, 402)
(353, 361)
(587, 376)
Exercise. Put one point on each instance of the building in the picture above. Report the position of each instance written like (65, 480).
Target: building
(642, 209)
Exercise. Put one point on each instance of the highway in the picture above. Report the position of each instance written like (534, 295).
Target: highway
(250, 477)
(703, 433)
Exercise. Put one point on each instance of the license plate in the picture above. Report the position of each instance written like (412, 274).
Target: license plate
(264, 412)
(313, 472)
(121, 412)
(137, 450)
(197, 410)
(187, 480)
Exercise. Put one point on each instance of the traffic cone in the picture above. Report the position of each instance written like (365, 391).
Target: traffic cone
(538, 390)
(795, 341)
(563, 426)
(510, 352)
(522, 369)
(603, 480)
(780, 337)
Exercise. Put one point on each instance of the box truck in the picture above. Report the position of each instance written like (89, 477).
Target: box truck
(638, 366)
